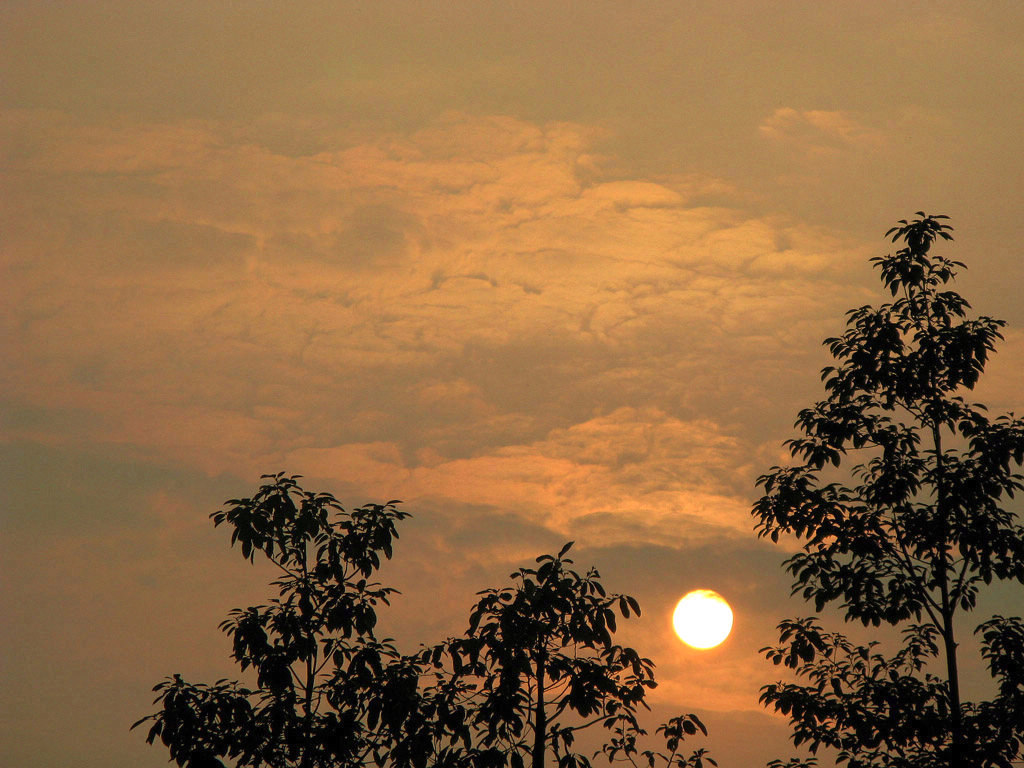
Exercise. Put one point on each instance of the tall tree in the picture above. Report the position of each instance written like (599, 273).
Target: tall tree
(319, 667)
(910, 542)
(538, 664)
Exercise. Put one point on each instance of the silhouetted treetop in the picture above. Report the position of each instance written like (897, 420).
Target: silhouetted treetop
(922, 527)
(537, 664)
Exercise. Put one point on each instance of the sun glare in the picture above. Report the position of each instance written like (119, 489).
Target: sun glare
(702, 619)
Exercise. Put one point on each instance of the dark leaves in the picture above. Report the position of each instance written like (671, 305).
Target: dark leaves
(912, 538)
(331, 694)
(310, 646)
(552, 628)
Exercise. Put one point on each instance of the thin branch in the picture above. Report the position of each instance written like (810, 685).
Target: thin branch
(597, 719)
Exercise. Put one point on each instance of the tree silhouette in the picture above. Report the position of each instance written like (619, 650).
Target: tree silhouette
(319, 667)
(911, 542)
(329, 693)
(538, 664)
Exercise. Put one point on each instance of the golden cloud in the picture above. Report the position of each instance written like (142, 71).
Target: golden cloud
(818, 131)
(468, 311)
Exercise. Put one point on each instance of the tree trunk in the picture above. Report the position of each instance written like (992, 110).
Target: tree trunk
(540, 717)
(957, 758)
(307, 704)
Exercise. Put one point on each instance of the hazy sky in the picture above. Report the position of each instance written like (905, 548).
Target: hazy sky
(544, 271)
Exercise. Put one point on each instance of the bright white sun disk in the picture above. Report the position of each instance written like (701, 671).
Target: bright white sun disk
(702, 619)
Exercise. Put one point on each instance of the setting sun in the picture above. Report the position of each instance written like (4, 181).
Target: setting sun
(702, 619)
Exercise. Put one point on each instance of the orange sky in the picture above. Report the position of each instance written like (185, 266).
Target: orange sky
(544, 271)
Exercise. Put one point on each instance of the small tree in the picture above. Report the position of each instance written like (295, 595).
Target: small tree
(538, 664)
(319, 667)
(911, 542)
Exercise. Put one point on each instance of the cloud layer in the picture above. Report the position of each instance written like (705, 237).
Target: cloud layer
(473, 291)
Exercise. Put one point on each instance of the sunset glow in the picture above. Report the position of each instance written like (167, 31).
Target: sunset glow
(544, 271)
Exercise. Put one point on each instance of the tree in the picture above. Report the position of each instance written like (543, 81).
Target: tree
(538, 664)
(923, 527)
(318, 665)
(329, 693)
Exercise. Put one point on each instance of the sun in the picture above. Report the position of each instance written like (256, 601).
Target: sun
(702, 619)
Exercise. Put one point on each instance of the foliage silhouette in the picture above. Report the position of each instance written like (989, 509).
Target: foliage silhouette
(924, 527)
(329, 693)
(319, 666)
(538, 664)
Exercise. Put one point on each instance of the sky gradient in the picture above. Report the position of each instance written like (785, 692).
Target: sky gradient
(543, 271)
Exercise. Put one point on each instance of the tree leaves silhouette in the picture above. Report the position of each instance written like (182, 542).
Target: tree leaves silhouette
(539, 664)
(911, 542)
(319, 667)
(538, 659)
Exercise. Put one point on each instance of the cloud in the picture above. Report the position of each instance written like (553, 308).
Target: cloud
(821, 132)
(269, 302)
(635, 474)
(466, 315)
